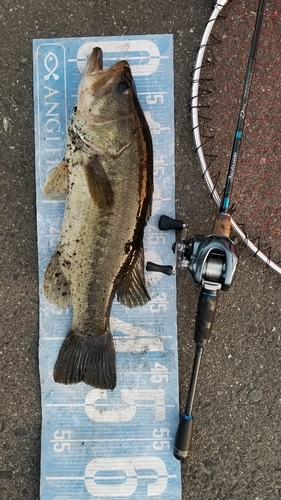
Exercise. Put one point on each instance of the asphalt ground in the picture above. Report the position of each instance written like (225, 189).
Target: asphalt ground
(236, 445)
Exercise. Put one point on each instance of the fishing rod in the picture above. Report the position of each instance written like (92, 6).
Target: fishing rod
(210, 260)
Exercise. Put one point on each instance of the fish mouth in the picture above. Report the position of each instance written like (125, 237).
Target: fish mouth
(94, 62)
(100, 81)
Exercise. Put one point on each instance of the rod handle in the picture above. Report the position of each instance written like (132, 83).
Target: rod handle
(183, 437)
(222, 225)
(206, 309)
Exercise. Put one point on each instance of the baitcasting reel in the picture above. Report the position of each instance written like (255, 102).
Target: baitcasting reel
(210, 260)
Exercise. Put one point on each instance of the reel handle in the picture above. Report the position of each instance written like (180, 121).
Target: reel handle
(165, 224)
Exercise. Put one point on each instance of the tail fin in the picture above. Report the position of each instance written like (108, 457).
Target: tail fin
(89, 359)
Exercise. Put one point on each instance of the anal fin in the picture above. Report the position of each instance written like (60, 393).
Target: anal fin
(132, 291)
(56, 286)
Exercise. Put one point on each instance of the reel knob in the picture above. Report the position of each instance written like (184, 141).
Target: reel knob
(166, 223)
(152, 267)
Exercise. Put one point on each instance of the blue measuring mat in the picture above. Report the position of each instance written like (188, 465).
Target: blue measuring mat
(99, 444)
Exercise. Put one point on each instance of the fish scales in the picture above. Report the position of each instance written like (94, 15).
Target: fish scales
(88, 245)
(107, 175)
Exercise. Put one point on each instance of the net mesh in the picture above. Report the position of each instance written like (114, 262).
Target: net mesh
(256, 198)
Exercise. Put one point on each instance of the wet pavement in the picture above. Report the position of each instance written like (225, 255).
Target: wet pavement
(236, 445)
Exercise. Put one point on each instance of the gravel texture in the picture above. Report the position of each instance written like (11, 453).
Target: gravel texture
(236, 445)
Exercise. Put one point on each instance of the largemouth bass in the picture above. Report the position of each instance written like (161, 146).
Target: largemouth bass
(107, 175)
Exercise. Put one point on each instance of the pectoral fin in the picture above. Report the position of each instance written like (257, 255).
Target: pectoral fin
(56, 184)
(56, 286)
(132, 291)
(98, 183)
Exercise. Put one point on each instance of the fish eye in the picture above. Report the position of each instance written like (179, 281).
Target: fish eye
(123, 87)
